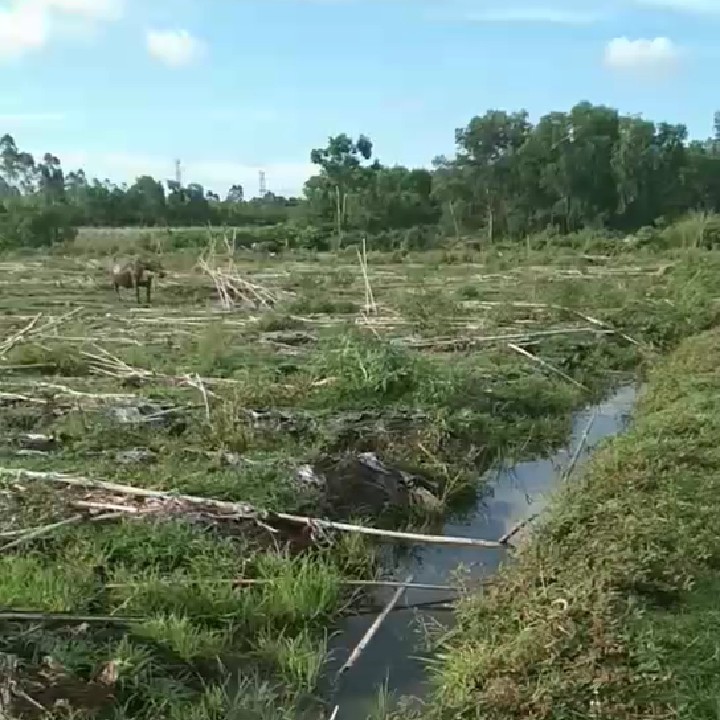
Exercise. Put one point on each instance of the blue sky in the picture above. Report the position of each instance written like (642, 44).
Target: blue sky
(122, 87)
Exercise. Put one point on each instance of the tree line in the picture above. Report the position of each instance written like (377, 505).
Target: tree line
(590, 167)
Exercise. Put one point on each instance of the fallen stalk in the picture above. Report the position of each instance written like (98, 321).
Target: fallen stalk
(372, 630)
(22, 536)
(546, 365)
(517, 528)
(526, 337)
(238, 510)
(40, 532)
(14, 339)
(62, 617)
(567, 472)
(578, 450)
(444, 604)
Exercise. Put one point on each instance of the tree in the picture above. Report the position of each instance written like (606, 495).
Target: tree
(487, 153)
(51, 179)
(633, 165)
(587, 167)
(146, 200)
(342, 174)
(17, 168)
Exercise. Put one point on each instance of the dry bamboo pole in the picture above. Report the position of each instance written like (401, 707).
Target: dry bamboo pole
(12, 616)
(546, 365)
(40, 531)
(567, 472)
(239, 509)
(372, 630)
(22, 536)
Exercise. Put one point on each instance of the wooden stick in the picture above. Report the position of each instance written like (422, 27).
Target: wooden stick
(29, 366)
(600, 323)
(391, 534)
(565, 475)
(61, 617)
(563, 308)
(520, 337)
(197, 382)
(24, 696)
(250, 513)
(13, 339)
(441, 604)
(30, 533)
(12, 397)
(517, 528)
(110, 507)
(546, 365)
(40, 531)
(581, 444)
(241, 509)
(64, 389)
(368, 636)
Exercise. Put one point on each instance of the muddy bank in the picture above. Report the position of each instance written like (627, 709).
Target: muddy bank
(397, 654)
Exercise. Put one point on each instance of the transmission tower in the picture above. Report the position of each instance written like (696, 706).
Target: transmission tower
(262, 184)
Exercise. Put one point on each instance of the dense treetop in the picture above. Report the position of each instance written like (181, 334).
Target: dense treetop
(589, 167)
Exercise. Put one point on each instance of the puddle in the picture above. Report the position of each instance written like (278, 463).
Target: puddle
(395, 653)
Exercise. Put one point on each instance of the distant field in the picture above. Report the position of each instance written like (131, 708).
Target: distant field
(99, 240)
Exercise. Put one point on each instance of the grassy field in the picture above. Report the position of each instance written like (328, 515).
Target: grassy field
(453, 361)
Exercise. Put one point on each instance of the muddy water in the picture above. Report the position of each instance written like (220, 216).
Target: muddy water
(396, 654)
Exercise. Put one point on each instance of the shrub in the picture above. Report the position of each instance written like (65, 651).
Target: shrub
(24, 224)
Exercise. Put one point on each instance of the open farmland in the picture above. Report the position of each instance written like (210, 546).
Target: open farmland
(371, 393)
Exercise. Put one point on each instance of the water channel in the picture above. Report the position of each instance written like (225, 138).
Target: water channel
(397, 655)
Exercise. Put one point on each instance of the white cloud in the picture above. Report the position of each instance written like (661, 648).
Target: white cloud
(658, 56)
(286, 178)
(174, 48)
(23, 27)
(28, 25)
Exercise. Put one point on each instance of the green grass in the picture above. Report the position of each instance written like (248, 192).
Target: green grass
(610, 609)
(168, 573)
(428, 383)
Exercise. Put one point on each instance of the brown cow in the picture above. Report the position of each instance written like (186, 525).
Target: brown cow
(136, 273)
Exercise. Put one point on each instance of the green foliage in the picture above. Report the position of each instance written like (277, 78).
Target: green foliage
(25, 224)
(589, 168)
(369, 371)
